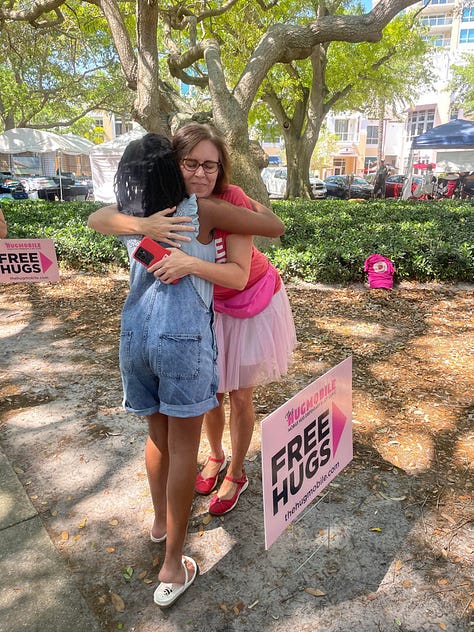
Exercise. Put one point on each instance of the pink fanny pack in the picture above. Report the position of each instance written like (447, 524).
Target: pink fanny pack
(252, 300)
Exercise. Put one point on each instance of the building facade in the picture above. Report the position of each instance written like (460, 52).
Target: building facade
(451, 31)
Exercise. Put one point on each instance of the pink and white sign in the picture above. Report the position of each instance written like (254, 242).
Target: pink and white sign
(305, 444)
(27, 260)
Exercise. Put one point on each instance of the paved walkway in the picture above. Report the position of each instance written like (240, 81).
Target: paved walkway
(37, 594)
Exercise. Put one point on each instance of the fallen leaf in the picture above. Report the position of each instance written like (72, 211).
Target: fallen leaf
(127, 573)
(118, 602)
(207, 519)
(398, 565)
(377, 529)
(443, 582)
(407, 583)
(156, 560)
(110, 549)
(113, 523)
(142, 575)
(392, 497)
(316, 592)
(442, 625)
(82, 524)
(77, 537)
(148, 581)
(65, 535)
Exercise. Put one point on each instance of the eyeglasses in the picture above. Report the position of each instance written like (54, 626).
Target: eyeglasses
(209, 166)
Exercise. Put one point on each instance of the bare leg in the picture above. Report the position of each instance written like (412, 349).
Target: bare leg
(183, 443)
(242, 422)
(157, 463)
(214, 423)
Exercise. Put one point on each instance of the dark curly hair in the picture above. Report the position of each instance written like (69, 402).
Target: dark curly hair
(148, 177)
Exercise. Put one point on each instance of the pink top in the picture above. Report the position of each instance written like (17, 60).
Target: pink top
(380, 271)
(259, 263)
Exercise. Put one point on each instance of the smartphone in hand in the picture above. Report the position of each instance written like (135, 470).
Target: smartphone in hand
(149, 252)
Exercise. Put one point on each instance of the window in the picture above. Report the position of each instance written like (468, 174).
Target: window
(466, 36)
(122, 126)
(339, 165)
(419, 122)
(468, 14)
(372, 134)
(341, 129)
(437, 20)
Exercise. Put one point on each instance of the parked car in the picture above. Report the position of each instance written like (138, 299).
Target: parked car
(275, 182)
(394, 185)
(342, 187)
(10, 187)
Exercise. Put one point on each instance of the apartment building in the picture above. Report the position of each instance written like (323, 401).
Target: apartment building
(451, 30)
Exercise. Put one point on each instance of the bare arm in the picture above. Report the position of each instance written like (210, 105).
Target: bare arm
(109, 221)
(234, 273)
(3, 225)
(215, 213)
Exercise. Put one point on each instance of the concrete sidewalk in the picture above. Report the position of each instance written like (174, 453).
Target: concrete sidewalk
(37, 594)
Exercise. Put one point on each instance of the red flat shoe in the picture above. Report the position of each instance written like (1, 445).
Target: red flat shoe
(204, 486)
(218, 507)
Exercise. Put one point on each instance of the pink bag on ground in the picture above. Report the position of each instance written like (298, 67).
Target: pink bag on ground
(380, 271)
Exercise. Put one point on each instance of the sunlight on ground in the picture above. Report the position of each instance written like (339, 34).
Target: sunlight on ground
(410, 451)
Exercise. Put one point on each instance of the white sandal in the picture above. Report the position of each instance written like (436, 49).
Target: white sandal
(166, 594)
(153, 539)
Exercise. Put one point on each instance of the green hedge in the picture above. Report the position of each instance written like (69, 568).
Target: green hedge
(329, 240)
(326, 241)
(77, 246)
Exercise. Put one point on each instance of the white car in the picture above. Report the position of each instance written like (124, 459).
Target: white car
(274, 179)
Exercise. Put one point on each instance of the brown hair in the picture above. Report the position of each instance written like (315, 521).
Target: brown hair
(188, 136)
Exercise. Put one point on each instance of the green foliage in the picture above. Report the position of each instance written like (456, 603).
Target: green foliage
(77, 246)
(56, 75)
(326, 241)
(463, 83)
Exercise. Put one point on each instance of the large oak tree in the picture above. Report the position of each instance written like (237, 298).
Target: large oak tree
(195, 57)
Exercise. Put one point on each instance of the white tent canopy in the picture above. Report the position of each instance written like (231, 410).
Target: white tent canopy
(456, 160)
(24, 139)
(104, 162)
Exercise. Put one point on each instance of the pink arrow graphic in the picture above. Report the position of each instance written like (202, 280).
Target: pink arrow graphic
(338, 423)
(45, 262)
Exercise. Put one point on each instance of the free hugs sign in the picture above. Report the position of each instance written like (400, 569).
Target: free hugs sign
(28, 260)
(305, 444)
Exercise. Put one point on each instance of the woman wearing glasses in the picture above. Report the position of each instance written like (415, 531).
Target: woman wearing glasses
(168, 347)
(253, 322)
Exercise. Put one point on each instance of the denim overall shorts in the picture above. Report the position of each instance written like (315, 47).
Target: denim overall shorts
(168, 350)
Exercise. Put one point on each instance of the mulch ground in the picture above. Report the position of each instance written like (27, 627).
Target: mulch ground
(413, 379)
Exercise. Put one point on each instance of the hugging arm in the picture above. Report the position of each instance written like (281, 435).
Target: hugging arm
(109, 221)
(3, 225)
(233, 274)
(216, 213)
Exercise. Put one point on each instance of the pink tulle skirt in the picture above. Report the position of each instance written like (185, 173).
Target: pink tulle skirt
(257, 350)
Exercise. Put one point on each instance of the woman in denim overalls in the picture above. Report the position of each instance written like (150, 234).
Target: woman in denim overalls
(168, 348)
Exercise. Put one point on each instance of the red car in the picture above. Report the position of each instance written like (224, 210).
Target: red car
(394, 185)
